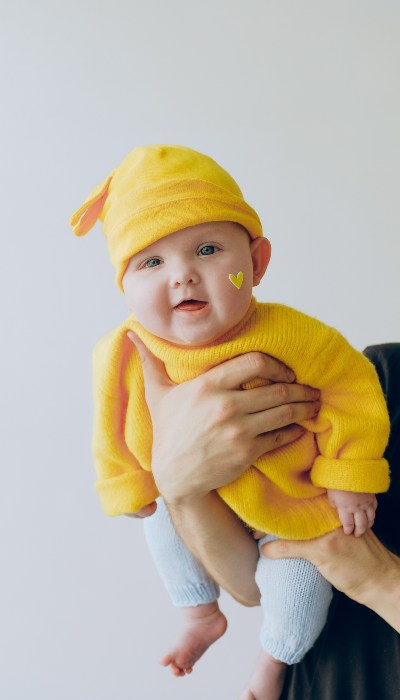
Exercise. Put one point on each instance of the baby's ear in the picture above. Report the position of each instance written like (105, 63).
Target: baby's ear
(260, 250)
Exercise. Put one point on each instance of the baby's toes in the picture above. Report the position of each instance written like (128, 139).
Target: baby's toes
(177, 670)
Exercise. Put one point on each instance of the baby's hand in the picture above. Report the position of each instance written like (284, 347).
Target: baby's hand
(356, 510)
(144, 512)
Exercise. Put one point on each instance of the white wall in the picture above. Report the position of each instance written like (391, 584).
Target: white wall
(300, 101)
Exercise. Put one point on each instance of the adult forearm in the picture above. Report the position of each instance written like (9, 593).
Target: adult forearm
(221, 542)
(378, 584)
(385, 598)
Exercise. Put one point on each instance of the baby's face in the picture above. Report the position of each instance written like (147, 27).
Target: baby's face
(179, 288)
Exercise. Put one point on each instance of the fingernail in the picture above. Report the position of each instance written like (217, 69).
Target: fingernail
(317, 407)
(290, 375)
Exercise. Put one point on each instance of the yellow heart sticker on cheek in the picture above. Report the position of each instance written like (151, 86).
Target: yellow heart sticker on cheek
(237, 280)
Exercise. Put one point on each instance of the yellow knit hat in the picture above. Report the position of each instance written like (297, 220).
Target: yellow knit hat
(156, 191)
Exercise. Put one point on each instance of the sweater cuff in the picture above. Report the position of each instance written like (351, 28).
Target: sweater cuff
(127, 493)
(357, 475)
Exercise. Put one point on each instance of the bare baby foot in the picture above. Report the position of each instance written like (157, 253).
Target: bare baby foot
(204, 624)
(266, 681)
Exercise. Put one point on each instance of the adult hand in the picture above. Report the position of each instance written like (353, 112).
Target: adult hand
(207, 431)
(362, 568)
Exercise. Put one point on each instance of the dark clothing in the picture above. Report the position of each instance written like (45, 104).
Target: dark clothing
(357, 656)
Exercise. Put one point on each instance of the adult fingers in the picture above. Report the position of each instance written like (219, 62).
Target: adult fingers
(288, 549)
(276, 438)
(353, 565)
(231, 374)
(277, 394)
(279, 417)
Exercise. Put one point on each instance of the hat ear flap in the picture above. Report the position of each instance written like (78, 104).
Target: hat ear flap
(86, 216)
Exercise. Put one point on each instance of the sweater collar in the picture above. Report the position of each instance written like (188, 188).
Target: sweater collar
(162, 348)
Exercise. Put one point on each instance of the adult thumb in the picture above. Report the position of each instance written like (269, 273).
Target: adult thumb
(156, 379)
(283, 549)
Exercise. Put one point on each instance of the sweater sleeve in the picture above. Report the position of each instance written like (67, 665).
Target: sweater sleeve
(352, 428)
(123, 486)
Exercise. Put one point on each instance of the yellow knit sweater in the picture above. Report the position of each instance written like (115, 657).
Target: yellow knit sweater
(284, 492)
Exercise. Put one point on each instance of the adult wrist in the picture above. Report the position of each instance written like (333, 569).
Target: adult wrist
(175, 491)
(383, 594)
(182, 499)
(387, 601)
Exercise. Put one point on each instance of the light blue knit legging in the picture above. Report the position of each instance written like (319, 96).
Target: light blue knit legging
(294, 596)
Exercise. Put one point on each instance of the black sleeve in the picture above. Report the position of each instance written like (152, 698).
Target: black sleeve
(357, 656)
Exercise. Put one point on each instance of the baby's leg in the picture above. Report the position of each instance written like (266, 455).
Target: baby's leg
(295, 600)
(189, 587)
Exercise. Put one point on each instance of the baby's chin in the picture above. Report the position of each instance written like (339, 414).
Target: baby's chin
(194, 340)
(192, 336)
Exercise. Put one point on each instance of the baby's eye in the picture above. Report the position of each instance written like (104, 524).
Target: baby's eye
(208, 250)
(152, 262)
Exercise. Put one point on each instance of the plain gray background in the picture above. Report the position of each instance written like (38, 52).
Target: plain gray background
(300, 102)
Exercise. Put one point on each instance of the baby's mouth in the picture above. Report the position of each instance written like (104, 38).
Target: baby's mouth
(190, 305)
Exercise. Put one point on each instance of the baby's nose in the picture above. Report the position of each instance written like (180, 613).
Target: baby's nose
(183, 277)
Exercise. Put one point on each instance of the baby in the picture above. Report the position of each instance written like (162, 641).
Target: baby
(188, 250)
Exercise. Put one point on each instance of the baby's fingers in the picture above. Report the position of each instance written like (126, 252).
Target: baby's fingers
(371, 515)
(361, 523)
(144, 512)
(347, 520)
